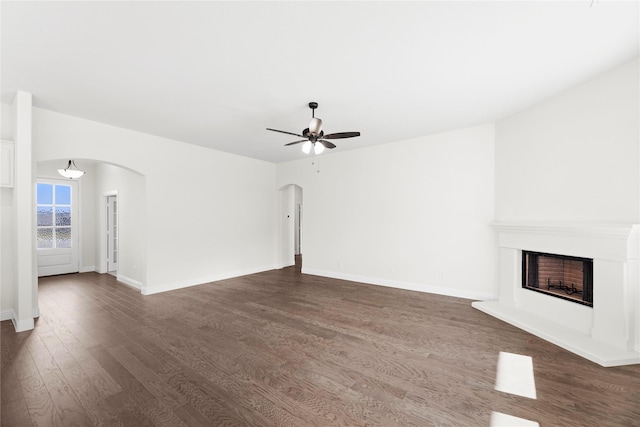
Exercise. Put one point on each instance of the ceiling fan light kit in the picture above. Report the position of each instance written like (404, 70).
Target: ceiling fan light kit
(314, 135)
(306, 147)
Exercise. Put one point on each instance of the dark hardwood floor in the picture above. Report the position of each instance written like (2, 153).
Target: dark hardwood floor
(284, 349)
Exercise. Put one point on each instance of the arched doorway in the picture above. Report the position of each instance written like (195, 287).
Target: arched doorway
(95, 248)
(290, 225)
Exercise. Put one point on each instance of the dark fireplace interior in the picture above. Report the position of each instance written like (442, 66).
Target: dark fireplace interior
(566, 277)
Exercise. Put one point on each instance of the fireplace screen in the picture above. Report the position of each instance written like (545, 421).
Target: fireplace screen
(561, 276)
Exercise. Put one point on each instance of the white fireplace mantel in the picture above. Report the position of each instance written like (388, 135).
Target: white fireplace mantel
(607, 333)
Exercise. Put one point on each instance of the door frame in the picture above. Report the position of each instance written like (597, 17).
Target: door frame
(290, 233)
(76, 212)
(110, 239)
(102, 232)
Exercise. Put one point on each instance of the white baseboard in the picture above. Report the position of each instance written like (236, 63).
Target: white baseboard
(281, 266)
(87, 269)
(7, 315)
(419, 287)
(150, 290)
(129, 281)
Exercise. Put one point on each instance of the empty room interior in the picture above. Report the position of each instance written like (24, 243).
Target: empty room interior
(320, 213)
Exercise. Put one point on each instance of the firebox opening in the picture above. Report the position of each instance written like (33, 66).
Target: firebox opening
(561, 276)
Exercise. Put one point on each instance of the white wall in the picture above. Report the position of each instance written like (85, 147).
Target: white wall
(210, 219)
(414, 214)
(573, 157)
(87, 200)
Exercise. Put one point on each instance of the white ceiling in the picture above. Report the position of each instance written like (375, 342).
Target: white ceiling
(217, 74)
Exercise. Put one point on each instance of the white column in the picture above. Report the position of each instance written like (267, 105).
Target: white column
(24, 202)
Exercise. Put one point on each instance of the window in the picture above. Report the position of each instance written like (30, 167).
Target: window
(53, 212)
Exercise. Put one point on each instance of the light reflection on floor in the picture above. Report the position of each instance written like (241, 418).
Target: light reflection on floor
(499, 419)
(514, 375)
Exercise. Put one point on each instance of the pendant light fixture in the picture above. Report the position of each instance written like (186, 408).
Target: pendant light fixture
(71, 171)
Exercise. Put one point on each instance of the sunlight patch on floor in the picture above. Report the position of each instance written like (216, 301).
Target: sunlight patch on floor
(499, 419)
(515, 375)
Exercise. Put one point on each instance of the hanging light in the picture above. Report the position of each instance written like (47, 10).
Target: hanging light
(318, 148)
(306, 147)
(71, 171)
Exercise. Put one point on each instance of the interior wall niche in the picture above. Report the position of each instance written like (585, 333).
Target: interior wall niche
(560, 276)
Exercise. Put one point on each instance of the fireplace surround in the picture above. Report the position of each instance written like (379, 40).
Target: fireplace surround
(608, 332)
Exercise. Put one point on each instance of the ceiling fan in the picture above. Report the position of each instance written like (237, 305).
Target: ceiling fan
(314, 135)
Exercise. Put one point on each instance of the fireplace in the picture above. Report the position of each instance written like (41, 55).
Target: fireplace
(595, 315)
(559, 276)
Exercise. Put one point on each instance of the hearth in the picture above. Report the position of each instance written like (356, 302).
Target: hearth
(559, 276)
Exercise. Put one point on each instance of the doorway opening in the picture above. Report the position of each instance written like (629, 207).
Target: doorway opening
(112, 234)
(291, 236)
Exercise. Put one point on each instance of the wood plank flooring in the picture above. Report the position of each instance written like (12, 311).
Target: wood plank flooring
(284, 349)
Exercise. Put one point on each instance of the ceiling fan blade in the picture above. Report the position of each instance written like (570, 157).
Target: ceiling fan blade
(327, 144)
(341, 135)
(288, 133)
(296, 142)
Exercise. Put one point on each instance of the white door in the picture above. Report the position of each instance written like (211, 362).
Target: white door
(112, 234)
(57, 228)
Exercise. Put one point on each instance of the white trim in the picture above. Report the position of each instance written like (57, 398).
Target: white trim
(129, 281)
(7, 315)
(88, 269)
(23, 324)
(150, 290)
(419, 287)
(102, 231)
(76, 229)
(567, 338)
(281, 266)
(581, 229)
(18, 325)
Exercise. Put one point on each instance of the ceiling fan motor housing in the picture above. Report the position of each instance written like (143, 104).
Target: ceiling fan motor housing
(315, 127)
